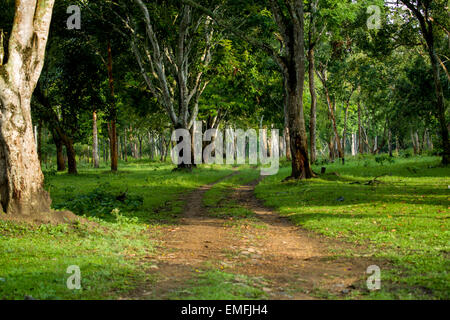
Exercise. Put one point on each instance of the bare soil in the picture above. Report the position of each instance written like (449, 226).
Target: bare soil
(52, 217)
(294, 263)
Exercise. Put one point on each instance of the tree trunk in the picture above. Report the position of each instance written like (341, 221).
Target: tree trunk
(390, 142)
(104, 150)
(112, 130)
(301, 168)
(360, 145)
(21, 180)
(413, 141)
(417, 142)
(313, 116)
(287, 140)
(440, 98)
(151, 147)
(354, 146)
(125, 145)
(429, 141)
(95, 157)
(60, 161)
(375, 145)
(333, 119)
(344, 134)
(331, 148)
(293, 70)
(397, 147)
(71, 157)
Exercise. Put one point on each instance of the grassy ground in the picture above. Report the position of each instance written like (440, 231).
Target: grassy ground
(403, 220)
(400, 218)
(113, 253)
(220, 285)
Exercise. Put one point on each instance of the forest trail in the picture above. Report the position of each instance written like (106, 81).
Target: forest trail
(287, 262)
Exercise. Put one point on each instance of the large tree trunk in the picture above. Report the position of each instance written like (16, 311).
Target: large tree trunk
(21, 180)
(301, 168)
(95, 157)
(294, 78)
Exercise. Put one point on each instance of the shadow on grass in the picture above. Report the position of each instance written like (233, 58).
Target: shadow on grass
(149, 195)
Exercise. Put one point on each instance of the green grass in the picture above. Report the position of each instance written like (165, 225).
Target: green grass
(403, 220)
(219, 285)
(114, 253)
(217, 199)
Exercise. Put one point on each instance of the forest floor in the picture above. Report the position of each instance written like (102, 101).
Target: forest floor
(227, 245)
(225, 233)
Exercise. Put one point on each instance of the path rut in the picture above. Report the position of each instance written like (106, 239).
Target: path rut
(294, 263)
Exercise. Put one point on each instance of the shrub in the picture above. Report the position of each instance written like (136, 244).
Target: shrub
(100, 202)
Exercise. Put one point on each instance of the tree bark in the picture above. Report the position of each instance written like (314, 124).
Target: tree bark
(60, 161)
(344, 134)
(440, 105)
(39, 141)
(95, 157)
(21, 180)
(360, 145)
(71, 156)
(293, 70)
(313, 116)
(390, 142)
(287, 140)
(421, 10)
(125, 145)
(323, 78)
(354, 146)
(312, 41)
(112, 129)
(301, 168)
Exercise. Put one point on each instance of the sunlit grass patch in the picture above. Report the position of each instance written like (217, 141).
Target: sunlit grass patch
(219, 285)
(113, 251)
(403, 219)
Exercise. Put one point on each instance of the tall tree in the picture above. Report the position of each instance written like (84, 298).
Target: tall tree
(173, 53)
(21, 180)
(288, 16)
(427, 12)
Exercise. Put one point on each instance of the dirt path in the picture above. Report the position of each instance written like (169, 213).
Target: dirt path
(294, 263)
